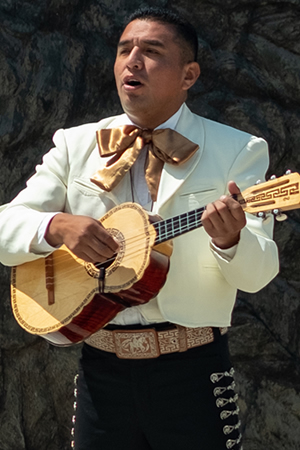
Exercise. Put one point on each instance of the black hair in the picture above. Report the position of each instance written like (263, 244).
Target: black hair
(183, 28)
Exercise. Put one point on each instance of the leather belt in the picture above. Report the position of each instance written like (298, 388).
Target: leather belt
(150, 343)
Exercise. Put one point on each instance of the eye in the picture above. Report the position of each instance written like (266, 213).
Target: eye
(151, 50)
(123, 51)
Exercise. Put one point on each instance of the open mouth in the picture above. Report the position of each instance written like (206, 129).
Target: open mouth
(134, 83)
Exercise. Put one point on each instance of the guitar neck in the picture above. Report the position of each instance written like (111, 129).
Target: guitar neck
(277, 194)
(178, 225)
(183, 223)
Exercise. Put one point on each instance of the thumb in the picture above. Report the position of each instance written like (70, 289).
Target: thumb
(233, 188)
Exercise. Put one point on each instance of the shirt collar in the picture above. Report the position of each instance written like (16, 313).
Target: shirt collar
(170, 123)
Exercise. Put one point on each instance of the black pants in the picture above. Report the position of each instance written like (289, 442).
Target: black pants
(177, 401)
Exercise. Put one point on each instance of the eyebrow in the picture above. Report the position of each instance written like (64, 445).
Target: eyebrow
(153, 42)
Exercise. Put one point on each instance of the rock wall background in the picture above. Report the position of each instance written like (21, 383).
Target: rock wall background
(56, 60)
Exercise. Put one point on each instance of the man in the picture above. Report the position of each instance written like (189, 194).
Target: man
(182, 396)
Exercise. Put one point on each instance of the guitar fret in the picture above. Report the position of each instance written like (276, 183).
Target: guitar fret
(173, 227)
(170, 228)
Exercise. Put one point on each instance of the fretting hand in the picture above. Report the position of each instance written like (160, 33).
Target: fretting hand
(224, 219)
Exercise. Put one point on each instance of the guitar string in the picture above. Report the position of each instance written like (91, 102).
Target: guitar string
(132, 244)
(52, 280)
(132, 247)
(163, 234)
(135, 238)
(129, 255)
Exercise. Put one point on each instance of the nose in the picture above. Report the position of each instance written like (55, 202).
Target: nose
(135, 59)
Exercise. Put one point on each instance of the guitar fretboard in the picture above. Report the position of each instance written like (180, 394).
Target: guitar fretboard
(178, 225)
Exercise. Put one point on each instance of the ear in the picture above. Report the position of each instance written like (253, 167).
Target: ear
(192, 72)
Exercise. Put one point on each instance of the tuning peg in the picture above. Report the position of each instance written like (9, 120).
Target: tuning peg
(279, 216)
(266, 218)
(288, 172)
(261, 215)
(273, 177)
(258, 182)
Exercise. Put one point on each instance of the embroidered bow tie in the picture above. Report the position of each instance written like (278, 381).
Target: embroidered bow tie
(126, 143)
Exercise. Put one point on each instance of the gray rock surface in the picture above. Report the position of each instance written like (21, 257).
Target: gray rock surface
(56, 61)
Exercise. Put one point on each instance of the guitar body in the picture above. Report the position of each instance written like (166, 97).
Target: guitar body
(60, 298)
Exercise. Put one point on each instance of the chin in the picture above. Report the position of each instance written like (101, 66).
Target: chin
(134, 106)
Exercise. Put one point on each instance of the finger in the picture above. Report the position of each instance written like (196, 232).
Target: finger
(90, 255)
(233, 188)
(235, 209)
(218, 213)
(101, 248)
(220, 220)
(105, 239)
(94, 235)
(90, 241)
(209, 218)
(91, 250)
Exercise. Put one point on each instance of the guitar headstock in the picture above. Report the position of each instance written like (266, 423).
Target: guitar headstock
(281, 194)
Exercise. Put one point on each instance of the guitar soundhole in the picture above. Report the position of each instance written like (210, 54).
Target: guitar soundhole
(111, 264)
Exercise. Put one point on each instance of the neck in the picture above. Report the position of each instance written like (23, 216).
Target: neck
(150, 122)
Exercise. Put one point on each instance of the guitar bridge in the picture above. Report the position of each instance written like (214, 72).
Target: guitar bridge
(49, 275)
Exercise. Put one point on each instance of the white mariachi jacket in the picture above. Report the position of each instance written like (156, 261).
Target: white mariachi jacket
(201, 285)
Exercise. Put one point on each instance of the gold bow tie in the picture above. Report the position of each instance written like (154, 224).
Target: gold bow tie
(126, 143)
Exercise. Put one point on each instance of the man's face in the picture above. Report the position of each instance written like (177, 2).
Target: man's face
(150, 73)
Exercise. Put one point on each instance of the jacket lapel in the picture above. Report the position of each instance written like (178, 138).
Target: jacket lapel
(172, 177)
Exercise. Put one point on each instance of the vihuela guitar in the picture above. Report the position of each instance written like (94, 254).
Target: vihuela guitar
(65, 299)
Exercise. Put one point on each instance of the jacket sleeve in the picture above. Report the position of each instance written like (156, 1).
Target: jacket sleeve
(44, 194)
(256, 260)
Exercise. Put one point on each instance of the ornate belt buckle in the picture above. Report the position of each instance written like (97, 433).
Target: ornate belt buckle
(136, 344)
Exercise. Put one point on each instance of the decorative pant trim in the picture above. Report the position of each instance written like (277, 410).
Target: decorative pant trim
(220, 402)
(216, 377)
(225, 414)
(220, 390)
(230, 428)
(74, 415)
(226, 400)
(232, 442)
